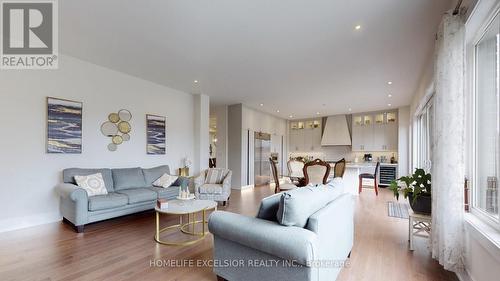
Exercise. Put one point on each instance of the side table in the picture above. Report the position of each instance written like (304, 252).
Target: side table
(418, 225)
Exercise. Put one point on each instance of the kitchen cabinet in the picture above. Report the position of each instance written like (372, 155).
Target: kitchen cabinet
(362, 133)
(375, 131)
(305, 135)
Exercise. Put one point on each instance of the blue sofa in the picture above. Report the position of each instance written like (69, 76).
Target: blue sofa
(261, 248)
(130, 190)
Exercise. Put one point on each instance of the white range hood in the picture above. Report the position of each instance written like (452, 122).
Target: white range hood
(336, 131)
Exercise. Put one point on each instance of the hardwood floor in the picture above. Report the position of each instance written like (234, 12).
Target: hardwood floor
(123, 248)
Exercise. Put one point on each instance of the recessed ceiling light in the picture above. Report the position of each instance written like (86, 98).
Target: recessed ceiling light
(389, 95)
(317, 113)
(261, 104)
(390, 82)
(350, 109)
(291, 116)
(278, 111)
(389, 104)
(357, 27)
(195, 81)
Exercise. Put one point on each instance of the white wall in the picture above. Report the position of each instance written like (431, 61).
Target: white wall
(403, 141)
(220, 113)
(29, 174)
(201, 133)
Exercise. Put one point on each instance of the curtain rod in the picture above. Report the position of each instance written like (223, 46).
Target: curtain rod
(457, 8)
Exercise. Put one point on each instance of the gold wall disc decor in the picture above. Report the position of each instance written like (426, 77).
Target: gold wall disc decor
(124, 127)
(118, 128)
(114, 117)
(117, 139)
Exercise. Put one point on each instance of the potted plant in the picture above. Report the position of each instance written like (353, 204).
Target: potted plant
(417, 188)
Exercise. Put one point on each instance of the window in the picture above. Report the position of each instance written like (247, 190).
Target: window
(423, 137)
(486, 166)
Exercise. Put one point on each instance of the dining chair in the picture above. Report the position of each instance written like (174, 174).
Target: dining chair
(339, 168)
(316, 172)
(279, 186)
(370, 176)
(295, 169)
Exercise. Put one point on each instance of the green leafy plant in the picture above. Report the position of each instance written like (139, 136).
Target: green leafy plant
(419, 184)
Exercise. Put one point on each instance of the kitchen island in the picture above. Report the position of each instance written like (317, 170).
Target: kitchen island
(352, 172)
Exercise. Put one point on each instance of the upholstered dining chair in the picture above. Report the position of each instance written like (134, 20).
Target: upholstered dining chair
(339, 168)
(370, 176)
(279, 186)
(316, 172)
(295, 169)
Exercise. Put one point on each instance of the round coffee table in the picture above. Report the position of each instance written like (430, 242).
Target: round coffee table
(185, 207)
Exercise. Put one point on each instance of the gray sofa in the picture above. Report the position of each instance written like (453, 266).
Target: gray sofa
(260, 248)
(130, 190)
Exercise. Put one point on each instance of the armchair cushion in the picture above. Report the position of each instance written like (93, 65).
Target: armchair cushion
(108, 201)
(215, 175)
(297, 205)
(211, 188)
(289, 243)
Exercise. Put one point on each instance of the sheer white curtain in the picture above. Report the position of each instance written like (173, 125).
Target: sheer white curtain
(448, 145)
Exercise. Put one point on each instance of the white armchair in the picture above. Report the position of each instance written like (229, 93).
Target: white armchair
(213, 191)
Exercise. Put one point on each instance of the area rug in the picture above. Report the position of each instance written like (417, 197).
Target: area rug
(397, 210)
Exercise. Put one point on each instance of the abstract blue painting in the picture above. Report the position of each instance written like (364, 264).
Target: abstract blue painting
(156, 134)
(64, 126)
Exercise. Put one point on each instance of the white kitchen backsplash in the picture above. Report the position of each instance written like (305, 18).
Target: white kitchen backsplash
(335, 153)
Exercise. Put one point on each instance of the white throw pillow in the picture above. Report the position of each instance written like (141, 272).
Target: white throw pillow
(93, 184)
(165, 181)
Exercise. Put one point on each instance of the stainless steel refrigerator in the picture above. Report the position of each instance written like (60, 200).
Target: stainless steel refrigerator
(262, 152)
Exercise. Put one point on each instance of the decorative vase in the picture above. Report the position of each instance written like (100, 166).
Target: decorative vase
(422, 205)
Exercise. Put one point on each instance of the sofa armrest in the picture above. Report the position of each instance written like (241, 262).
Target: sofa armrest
(285, 242)
(199, 180)
(334, 226)
(72, 192)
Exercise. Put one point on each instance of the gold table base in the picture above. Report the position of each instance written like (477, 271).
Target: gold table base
(184, 228)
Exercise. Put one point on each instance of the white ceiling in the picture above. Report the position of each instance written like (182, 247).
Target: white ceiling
(300, 57)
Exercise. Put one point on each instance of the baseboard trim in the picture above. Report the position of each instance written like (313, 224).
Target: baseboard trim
(243, 187)
(463, 276)
(28, 221)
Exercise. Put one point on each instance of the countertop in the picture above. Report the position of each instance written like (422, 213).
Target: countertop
(367, 164)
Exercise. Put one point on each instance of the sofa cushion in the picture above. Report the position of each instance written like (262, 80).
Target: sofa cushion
(269, 207)
(297, 205)
(165, 181)
(70, 173)
(152, 174)
(208, 188)
(128, 178)
(166, 193)
(108, 201)
(93, 184)
(137, 195)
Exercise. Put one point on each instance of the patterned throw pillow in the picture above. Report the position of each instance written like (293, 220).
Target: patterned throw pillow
(215, 176)
(93, 184)
(165, 181)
